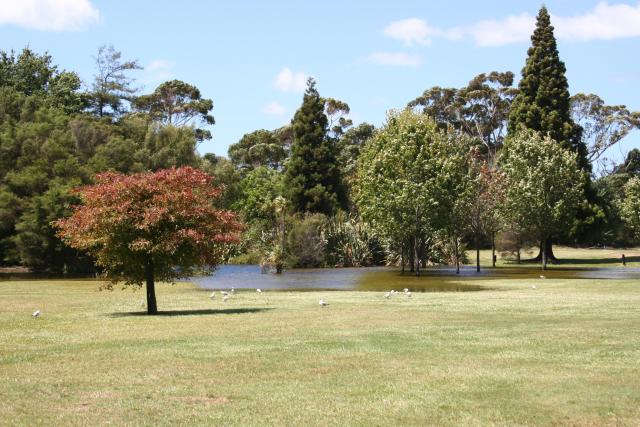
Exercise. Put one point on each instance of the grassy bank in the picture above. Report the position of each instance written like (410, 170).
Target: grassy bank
(567, 257)
(565, 353)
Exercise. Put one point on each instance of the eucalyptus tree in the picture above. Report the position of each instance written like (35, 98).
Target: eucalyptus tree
(259, 148)
(545, 185)
(602, 125)
(177, 103)
(479, 109)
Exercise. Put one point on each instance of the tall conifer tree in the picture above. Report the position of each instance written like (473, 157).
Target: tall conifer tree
(542, 103)
(313, 182)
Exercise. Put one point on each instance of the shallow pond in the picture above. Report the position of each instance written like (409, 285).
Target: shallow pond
(434, 279)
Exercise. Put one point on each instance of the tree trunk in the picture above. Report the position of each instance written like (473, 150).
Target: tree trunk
(493, 250)
(547, 244)
(152, 307)
(412, 263)
(455, 245)
(416, 242)
(416, 253)
(544, 257)
(402, 257)
(477, 253)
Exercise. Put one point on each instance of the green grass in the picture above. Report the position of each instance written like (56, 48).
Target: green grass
(565, 353)
(567, 256)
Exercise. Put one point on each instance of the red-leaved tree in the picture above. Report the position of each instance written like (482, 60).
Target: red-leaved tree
(150, 226)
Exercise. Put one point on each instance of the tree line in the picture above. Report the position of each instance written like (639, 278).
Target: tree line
(490, 164)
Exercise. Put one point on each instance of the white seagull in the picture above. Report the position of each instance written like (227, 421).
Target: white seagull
(213, 295)
(225, 298)
(542, 277)
(36, 313)
(387, 295)
(322, 303)
(533, 287)
(408, 294)
(406, 290)
(259, 290)
(233, 290)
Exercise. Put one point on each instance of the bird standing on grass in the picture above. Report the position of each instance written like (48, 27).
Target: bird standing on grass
(213, 295)
(36, 314)
(259, 290)
(225, 298)
(387, 295)
(323, 303)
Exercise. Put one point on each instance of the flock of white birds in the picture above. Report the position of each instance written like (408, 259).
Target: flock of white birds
(226, 295)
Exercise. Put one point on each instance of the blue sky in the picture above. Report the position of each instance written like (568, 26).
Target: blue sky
(251, 57)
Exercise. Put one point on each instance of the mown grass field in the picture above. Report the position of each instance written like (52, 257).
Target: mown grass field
(564, 353)
(567, 257)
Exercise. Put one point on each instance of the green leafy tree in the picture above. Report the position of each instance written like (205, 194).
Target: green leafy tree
(410, 175)
(545, 186)
(312, 179)
(151, 226)
(630, 206)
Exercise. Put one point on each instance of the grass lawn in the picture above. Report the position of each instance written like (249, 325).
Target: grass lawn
(565, 353)
(568, 257)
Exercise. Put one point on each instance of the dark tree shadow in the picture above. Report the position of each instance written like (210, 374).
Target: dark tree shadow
(200, 312)
(614, 262)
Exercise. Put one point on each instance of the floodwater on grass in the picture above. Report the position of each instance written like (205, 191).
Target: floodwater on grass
(433, 279)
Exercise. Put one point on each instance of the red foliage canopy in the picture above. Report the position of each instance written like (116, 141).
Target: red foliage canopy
(166, 220)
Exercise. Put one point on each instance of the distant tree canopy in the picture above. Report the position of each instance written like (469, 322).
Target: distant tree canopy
(111, 85)
(178, 103)
(151, 226)
(306, 180)
(479, 109)
(259, 148)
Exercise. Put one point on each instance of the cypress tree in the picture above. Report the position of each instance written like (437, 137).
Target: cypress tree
(312, 181)
(542, 103)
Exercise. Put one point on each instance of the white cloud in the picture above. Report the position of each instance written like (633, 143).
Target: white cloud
(417, 31)
(49, 15)
(398, 59)
(604, 22)
(274, 109)
(289, 81)
(513, 29)
(158, 71)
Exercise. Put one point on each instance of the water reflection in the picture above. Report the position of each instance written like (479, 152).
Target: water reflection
(434, 279)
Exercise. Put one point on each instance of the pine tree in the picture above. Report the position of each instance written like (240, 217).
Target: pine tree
(313, 182)
(542, 103)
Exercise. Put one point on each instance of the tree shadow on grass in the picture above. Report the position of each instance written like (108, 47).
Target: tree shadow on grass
(199, 312)
(613, 262)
